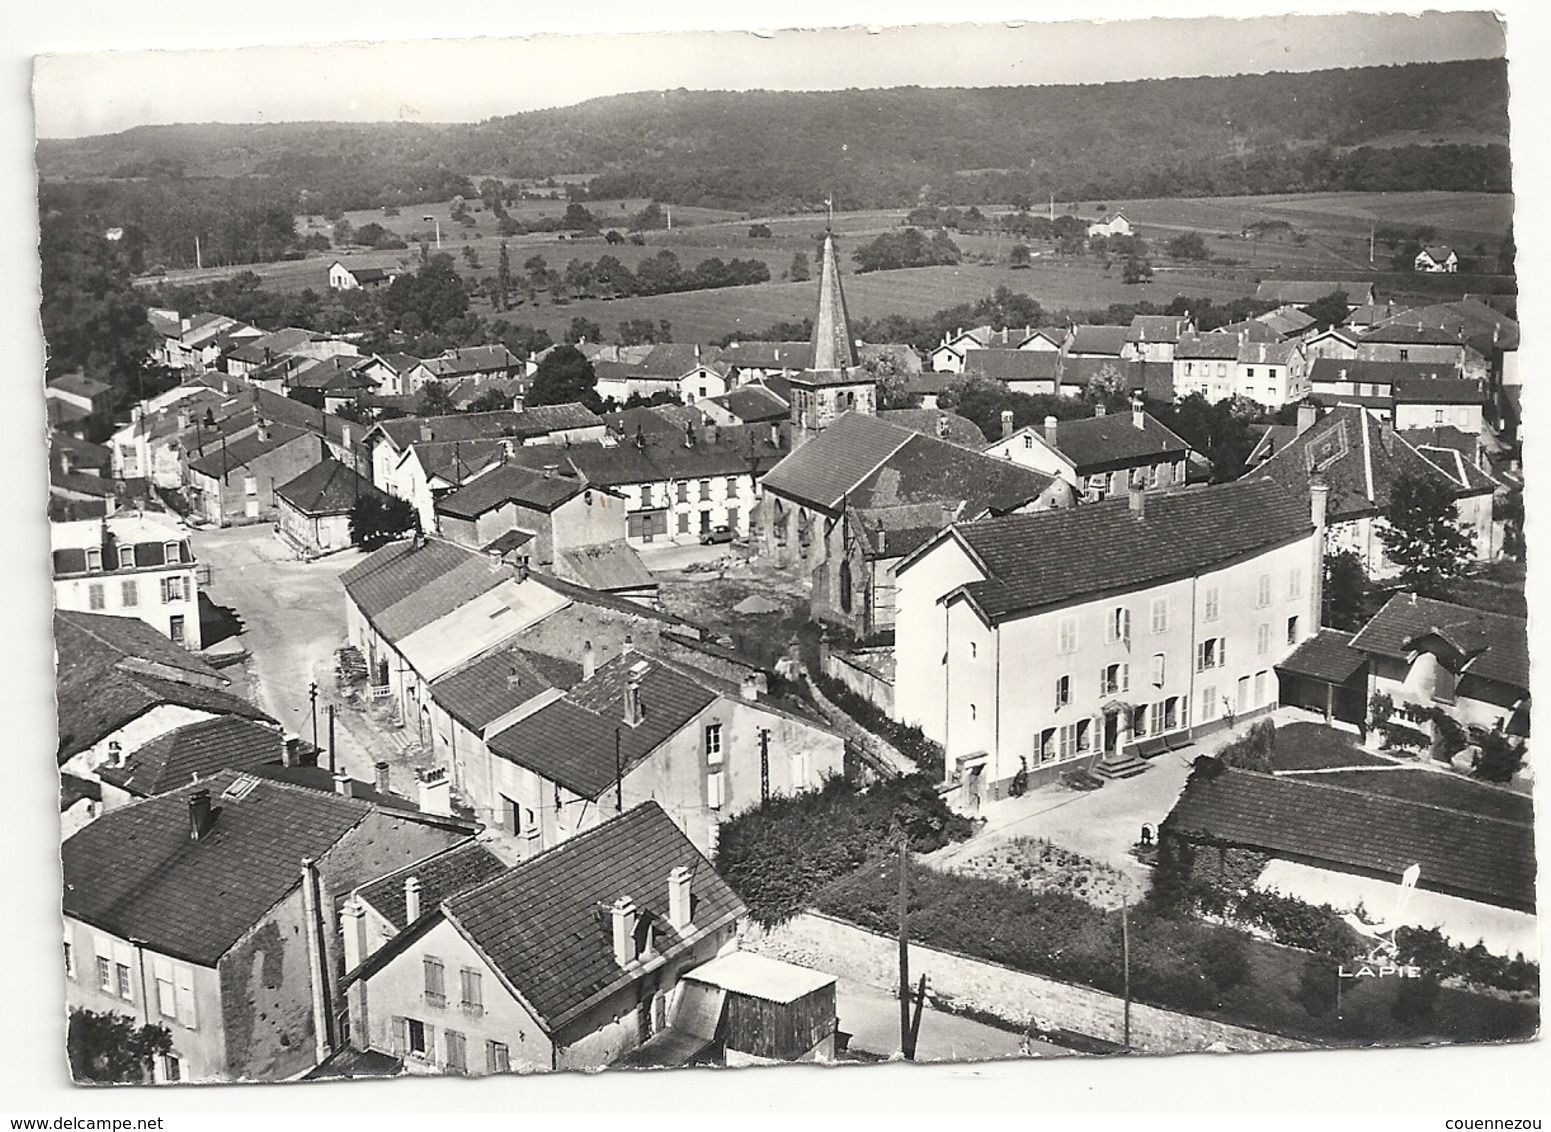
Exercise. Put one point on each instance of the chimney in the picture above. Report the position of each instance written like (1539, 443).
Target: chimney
(942, 426)
(628, 646)
(344, 436)
(622, 919)
(633, 711)
(411, 900)
(513, 680)
(1138, 496)
(1319, 496)
(589, 661)
(1343, 373)
(263, 429)
(290, 750)
(1307, 415)
(435, 792)
(200, 815)
(425, 433)
(382, 777)
(678, 899)
(749, 689)
(1006, 423)
(344, 785)
(1100, 409)
(352, 931)
(1050, 430)
(183, 421)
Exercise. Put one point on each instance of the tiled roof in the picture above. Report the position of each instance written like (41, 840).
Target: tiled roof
(609, 566)
(572, 741)
(663, 455)
(1438, 391)
(472, 359)
(444, 875)
(222, 459)
(1013, 365)
(1496, 644)
(545, 924)
(769, 355)
(197, 750)
(326, 488)
(510, 483)
(1468, 445)
(1302, 817)
(1408, 334)
(1156, 328)
(1450, 791)
(1299, 293)
(1287, 321)
(753, 404)
(1469, 320)
(136, 872)
(80, 385)
(833, 463)
(1051, 558)
(112, 670)
(1212, 346)
(484, 691)
(966, 482)
(1359, 457)
(1328, 656)
(1438, 253)
(1107, 340)
(1326, 371)
(1095, 444)
(508, 541)
(540, 420)
(403, 587)
(938, 423)
(334, 373)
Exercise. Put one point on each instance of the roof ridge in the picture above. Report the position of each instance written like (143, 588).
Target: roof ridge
(1386, 799)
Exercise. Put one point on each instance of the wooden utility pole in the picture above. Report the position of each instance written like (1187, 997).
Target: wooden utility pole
(619, 777)
(1125, 961)
(906, 1038)
(331, 739)
(764, 766)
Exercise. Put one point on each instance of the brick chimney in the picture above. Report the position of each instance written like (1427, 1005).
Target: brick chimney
(344, 785)
(1138, 417)
(589, 661)
(1006, 423)
(679, 906)
(634, 711)
(749, 688)
(1138, 498)
(352, 931)
(382, 777)
(411, 900)
(1050, 430)
(435, 792)
(622, 917)
(200, 815)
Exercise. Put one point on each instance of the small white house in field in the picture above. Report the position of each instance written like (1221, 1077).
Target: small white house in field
(1116, 225)
(343, 278)
(1437, 258)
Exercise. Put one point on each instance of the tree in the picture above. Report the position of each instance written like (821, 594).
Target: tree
(1500, 759)
(503, 279)
(583, 330)
(759, 231)
(1348, 594)
(377, 519)
(490, 401)
(565, 375)
(893, 384)
(1019, 256)
(1329, 310)
(434, 400)
(1422, 535)
(1187, 245)
(799, 272)
(109, 1049)
(1137, 270)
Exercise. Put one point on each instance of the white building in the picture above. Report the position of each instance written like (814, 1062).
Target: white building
(129, 565)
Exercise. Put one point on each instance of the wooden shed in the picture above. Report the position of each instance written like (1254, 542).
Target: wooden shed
(764, 1009)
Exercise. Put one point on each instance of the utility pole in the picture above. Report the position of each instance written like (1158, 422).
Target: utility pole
(619, 777)
(199, 259)
(1125, 962)
(906, 1045)
(331, 738)
(764, 766)
(1371, 231)
(312, 696)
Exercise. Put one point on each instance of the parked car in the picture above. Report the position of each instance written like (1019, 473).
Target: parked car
(717, 534)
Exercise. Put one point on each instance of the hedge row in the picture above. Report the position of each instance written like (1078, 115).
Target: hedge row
(926, 753)
(778, 856)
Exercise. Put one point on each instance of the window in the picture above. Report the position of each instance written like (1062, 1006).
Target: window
(714, 794)
(1263, 592)
(1114, 678)
(713, 744)
(498, 1059)
(175, 628)
(69, 961)
(173, 552)
(1045, 745)
(93, 558)
(130, 593)
(473, 990)
(416, 1038)
(94, 596)
(166, 995)
(972, 713)
(172, 1068)
(646, 495)
(104, 970)
(1153, 474)
(1118, 625)
(172, 589)
(974, 650)
(1292, 630)
(705, 491)
(1405, 355)
(457, 1051)
(683, 492)
(1294, 582)
(1063, 691)
(797, 767)
(121, 980)
(1210, 614)
(1249, 371)
(1158, 669)
(1271, 373)
(435, 982)
(1437, 416)
(126, 558)
(732, 487)
(1262, 639)
(1068, 634)
(1028, 440)
(1160, 615)
(683, 523)
(1208, 703)
(1210, 653)
(250, 485)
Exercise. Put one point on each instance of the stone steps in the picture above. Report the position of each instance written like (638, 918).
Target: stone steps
(1120, 766)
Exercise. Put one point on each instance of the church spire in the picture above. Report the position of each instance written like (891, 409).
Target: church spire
(832, 345)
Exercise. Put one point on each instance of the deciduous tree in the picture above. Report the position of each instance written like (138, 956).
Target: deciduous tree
(109, 1049)
(1422, 535)
(565, 375)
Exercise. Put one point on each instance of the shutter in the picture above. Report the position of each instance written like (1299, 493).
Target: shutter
(430, 1042)
(161, 973)
(184, 981)
(1103, 681)
(1125, 677)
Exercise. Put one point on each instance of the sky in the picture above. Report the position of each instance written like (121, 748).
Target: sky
(450, 80)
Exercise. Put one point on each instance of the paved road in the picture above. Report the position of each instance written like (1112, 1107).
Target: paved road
(293, 618)
(667, 556)
(871, 1017)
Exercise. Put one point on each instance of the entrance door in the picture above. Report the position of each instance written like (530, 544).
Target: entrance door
(175, 628)
(705, 522)
(1243, 694)
(1111, 732)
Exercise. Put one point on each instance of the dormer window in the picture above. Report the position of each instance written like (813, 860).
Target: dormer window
(173, 553)
(126, 558)
(93, 558)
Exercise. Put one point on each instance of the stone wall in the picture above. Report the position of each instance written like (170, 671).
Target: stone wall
(1017, 998)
